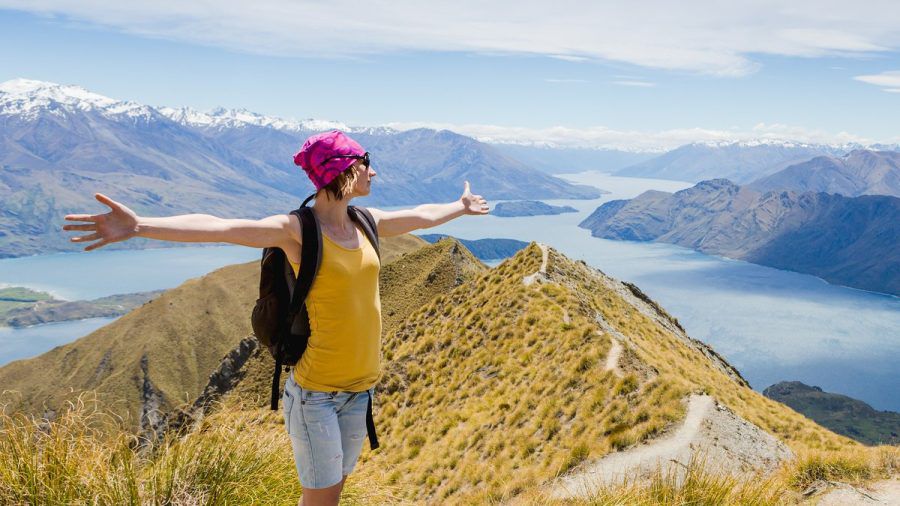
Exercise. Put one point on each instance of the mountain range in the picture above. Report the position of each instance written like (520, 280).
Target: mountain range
(60, 144)
(850, 241)
(740, 162)
(860, 172)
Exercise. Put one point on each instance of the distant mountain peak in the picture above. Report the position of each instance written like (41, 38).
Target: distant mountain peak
(716, 183)
(837, 148)
(221, 117)
(29, 97)
(33, 89)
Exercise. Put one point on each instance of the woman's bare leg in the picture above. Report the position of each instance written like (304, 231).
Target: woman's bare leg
(329, 496)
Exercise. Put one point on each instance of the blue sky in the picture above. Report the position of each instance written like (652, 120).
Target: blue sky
(476, 74)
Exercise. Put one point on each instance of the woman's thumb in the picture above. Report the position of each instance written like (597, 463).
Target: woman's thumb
(106, 200)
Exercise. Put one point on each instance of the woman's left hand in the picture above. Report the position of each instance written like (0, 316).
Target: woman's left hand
(473, 204)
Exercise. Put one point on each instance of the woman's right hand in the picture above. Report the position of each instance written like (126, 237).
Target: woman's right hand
(117, 225)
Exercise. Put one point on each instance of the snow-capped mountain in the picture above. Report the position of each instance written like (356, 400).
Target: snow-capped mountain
(59, 144)
(778, 143)
(220, 118)
(28, 98)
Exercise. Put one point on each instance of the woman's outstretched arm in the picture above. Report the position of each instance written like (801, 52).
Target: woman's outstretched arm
(391, 223)
(121, 224)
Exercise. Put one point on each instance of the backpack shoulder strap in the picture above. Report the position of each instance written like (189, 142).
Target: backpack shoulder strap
(310, 256)
(362, 216)
(310, 260)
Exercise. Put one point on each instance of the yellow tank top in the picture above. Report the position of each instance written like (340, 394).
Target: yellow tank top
(344, 307)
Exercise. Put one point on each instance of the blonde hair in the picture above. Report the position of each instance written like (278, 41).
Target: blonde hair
(342, 185)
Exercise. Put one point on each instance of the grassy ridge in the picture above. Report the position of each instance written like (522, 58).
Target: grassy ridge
(497, 386)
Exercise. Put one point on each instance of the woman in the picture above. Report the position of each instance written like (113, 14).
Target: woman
(326, 396)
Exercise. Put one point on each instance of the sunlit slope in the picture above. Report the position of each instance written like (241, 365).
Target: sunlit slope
(407, 283)
(158, 356)
(153, 358)
(498, 386)
(421, 275)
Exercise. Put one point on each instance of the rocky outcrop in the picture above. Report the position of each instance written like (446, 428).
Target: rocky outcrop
(221, 381)
(152, 418)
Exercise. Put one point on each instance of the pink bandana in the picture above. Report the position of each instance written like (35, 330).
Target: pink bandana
(321, 147)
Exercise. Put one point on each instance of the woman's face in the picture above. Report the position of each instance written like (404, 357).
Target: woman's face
(364, 175)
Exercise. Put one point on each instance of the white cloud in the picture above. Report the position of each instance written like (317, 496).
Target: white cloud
(706, 36)
(889, 81)
(600, 137)
(568, 57)
(638, 84)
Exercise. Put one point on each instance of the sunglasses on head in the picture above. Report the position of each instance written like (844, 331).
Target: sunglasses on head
(364, 158)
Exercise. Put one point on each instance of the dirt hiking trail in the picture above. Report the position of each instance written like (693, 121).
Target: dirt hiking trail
(710, 432)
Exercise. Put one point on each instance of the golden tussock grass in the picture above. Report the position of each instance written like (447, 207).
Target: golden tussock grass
(235, 456)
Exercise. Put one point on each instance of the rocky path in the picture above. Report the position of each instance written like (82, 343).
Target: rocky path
(612, 359)
(709, 431)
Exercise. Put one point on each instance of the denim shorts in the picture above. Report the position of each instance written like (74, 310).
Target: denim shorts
(327, 431)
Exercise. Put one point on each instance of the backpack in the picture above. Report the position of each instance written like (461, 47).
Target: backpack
(279, 319)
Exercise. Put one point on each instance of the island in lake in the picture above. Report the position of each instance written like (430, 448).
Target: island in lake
(529, 208)
(22, 307)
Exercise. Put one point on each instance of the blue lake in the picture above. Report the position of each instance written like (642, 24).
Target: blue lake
(772, 325)
(88, 275)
